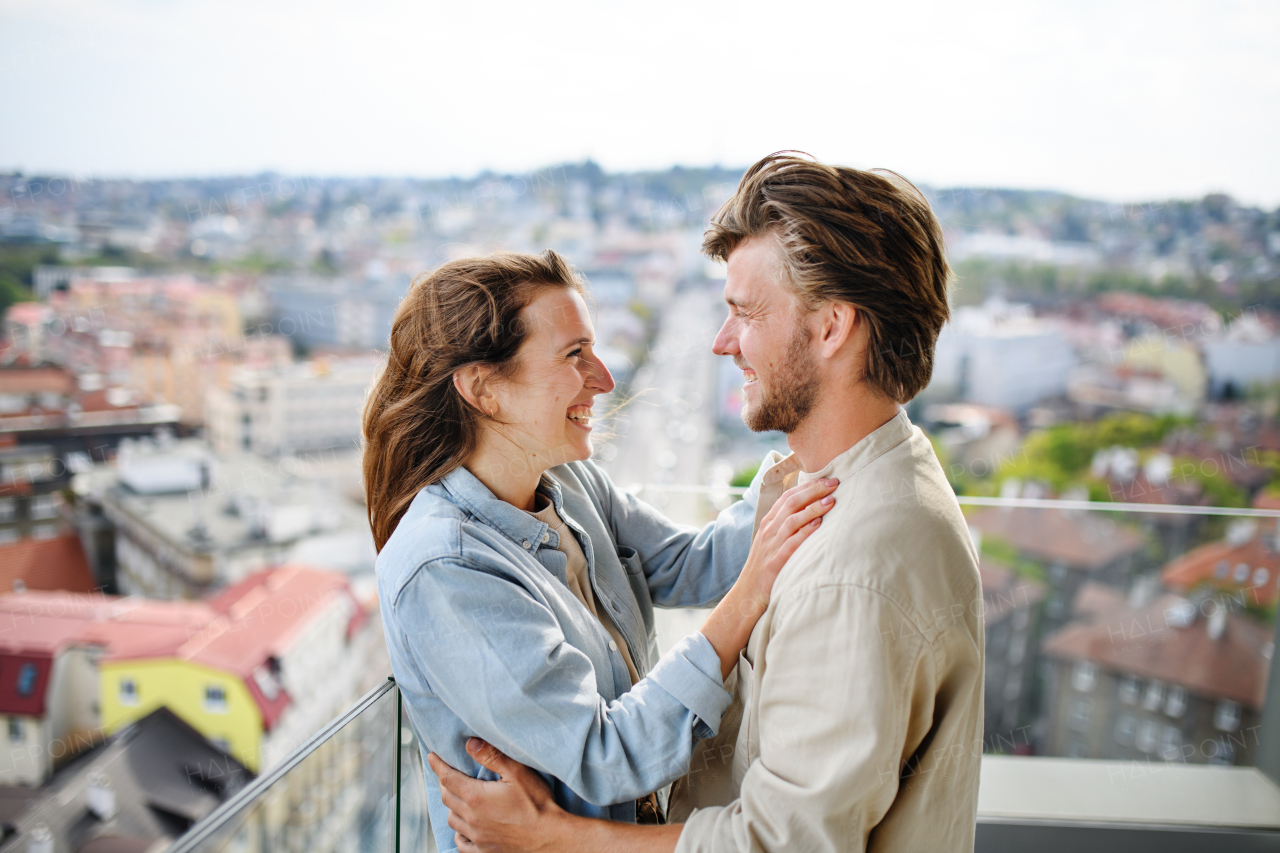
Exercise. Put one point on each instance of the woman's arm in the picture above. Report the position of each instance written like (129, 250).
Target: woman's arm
(683, 565)
(496, 659)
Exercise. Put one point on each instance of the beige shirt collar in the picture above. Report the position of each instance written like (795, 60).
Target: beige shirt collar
(784, 471)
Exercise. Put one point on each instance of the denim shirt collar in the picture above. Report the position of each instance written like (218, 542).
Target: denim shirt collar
(465, 490)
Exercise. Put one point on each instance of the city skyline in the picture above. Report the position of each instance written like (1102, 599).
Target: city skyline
(1126, 103)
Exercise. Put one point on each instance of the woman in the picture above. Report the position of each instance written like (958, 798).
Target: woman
(516, 582)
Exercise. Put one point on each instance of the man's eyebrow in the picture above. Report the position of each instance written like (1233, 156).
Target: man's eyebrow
(740, 304)
(575, 343)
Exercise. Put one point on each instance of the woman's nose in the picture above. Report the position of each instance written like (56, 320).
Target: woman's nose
(600, 378)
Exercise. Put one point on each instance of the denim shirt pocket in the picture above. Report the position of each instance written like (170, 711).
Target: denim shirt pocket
(630, 560)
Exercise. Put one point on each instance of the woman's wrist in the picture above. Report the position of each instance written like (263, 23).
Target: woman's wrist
(729, 627)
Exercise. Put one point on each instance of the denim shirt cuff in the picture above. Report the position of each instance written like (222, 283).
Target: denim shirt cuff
(690, 672)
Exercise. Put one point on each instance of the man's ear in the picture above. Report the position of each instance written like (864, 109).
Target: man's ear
(472, 382)
(838, 325)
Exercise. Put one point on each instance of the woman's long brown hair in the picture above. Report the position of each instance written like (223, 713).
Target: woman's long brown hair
(417, 428)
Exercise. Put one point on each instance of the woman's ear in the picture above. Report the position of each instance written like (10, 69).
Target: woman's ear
(472, 383)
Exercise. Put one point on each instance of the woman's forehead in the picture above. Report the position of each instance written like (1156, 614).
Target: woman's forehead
(559, 314)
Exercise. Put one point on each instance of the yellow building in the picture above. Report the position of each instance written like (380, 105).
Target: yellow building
(214, 702)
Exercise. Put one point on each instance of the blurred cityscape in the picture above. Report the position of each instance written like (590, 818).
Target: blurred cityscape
(185, 561)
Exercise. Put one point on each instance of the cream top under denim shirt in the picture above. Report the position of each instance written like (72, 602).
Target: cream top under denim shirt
(487, 640)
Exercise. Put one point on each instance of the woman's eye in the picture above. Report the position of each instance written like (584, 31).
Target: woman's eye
(576, 353)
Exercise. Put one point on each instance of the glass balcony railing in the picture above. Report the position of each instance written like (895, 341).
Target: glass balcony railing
(1129, 697)
(356, 785)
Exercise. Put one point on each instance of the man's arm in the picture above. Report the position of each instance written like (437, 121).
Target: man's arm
(516, 814)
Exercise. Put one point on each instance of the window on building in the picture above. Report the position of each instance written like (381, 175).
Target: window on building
(1018, 649)
(1084, 676)
(128, 691)
(1260, 577)
(16, 732)
(1147, 735)
(1221, 569)
(1154, 695)
(1130, 690)
(1125, 727)
(1241, 573)
(1222, 751)
(8, 535)
(8, 509)
(44, 506)
(1081, 713)
(1176, 704)
(44, 531)
(215, 699)
(27, 674)
(1226, 717)
(1170, 741)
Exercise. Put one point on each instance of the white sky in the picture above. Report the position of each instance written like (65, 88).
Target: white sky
(1116, 100)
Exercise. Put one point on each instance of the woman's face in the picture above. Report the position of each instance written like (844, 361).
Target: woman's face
(546, 405)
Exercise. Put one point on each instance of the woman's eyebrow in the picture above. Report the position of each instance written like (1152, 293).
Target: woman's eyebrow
(576, 343)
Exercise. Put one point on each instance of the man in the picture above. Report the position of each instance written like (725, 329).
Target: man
(860, 692)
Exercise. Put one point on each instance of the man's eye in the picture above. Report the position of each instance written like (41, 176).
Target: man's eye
(576, 353)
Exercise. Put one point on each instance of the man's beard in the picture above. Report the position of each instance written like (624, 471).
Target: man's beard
(794, 389)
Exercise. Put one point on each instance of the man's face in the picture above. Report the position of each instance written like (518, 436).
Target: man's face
(768, 338)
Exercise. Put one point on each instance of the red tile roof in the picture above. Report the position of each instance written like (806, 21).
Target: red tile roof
(46, 564)
(239, 631)
(1216, 564)
(1082, 540)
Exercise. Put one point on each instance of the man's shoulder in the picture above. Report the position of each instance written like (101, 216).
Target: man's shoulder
(896, 531)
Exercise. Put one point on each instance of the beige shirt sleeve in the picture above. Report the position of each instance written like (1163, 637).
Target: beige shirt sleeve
(831, 743)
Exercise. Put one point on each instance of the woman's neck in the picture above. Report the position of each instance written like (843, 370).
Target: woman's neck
(509, 472)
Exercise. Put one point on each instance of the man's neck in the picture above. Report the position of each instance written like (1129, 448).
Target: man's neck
(836, 423)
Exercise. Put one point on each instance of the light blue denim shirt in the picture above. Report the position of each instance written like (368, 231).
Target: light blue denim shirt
(487, 640)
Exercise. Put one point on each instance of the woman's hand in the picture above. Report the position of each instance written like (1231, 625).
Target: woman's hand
(795, 516)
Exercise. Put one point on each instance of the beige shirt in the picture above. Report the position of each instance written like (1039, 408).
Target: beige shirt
(857, 715)
(577, 578)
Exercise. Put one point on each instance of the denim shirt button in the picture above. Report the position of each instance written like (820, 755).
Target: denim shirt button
(546, 536)
(613, 646)
(526, 544)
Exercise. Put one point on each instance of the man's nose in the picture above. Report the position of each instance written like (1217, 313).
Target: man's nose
(725, 342)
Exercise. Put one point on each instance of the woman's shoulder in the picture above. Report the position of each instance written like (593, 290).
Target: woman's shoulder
(437, 532)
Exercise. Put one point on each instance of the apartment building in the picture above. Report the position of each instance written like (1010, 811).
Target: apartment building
(188, 522)
(1011, 611)
(306, 407)
(1170, 678)
(1069, 546)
